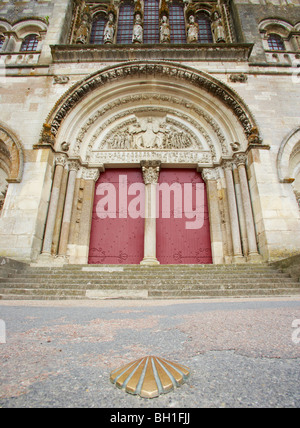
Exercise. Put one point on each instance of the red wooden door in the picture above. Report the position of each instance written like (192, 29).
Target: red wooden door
(182, 229)
(117, 232)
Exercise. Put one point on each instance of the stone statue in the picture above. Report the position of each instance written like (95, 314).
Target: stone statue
(217, 28)
(137, 36)
(110, 28)
(192, 30)
(164, 30)
(83, 32)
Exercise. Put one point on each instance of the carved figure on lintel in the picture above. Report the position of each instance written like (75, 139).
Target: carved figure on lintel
(217, 27)
(137, 36)
(110, 28)
(192, 30)
(164, 30)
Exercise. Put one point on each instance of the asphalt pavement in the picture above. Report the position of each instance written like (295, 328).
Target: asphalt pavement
(241, 352)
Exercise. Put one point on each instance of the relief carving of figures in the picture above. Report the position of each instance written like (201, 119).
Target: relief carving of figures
(192, 30)
(110, 28)
(164, 30)
(83, 32)
(217, 28)
(137, 36)
(149, 133)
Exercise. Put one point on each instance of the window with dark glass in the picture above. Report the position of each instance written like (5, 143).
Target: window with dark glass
(30, 43)
(125, 25)
(276, 43)
(151, 21)
(97, 31)
(1, 42)
(177, 23)
(205, 33)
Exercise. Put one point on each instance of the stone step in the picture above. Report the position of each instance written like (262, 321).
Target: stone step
(150, 286)
(143, 279)
(153, 294)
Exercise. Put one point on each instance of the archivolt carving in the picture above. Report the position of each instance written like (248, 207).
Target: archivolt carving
(16, 158)
(159, 98)
(140, 69)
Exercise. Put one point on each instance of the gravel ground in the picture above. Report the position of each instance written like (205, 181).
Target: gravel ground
(240, 352)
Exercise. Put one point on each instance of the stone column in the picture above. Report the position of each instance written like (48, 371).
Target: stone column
(150, 174)
(233, 214)
(251, 234)
(65, 228)
(60, 161)
(210, 176)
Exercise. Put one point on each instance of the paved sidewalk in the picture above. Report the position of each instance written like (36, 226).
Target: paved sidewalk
(242, 352)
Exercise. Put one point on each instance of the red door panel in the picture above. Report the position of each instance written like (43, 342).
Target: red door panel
(182, 229)
(117, 237)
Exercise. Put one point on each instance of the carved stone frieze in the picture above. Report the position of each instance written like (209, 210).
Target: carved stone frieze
(136, 156)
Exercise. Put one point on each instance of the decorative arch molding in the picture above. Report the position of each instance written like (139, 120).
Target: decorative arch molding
(16, 156)
(290, 146)
(125, 114)
(141, 69)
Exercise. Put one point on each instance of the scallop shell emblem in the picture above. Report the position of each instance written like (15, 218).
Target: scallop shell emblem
(149, 376)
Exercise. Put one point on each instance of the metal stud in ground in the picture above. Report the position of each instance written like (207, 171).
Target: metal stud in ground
(149, 376)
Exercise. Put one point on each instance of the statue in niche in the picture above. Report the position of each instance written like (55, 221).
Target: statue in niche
(110, 28)
(137, 36)
(83, 32)
(192, 30)
(164, 30)
(217, 28)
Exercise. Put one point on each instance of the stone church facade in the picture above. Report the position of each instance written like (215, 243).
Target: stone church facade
(114, 114)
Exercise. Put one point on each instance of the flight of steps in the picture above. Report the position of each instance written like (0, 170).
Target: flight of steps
(142, 282)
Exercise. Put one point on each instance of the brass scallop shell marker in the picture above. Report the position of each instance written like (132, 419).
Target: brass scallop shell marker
(149, 376)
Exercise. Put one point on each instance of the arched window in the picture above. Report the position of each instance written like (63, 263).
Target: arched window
(151, 21)
(30, 43)
(97, 31)
(2, 39)
(205, 33)
(177, 22)
(125, 25)
(275, 42)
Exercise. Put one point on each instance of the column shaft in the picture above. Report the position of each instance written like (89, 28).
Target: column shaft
(251, 234)
(53, 208)
(65, 229)
(150, 174)
(234, 219)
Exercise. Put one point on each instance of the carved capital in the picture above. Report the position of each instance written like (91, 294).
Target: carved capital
(227, 164)
(60, 159)
(210, 174)
(90, 174)
(240, 159)
(150, 169)
(73, 165)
